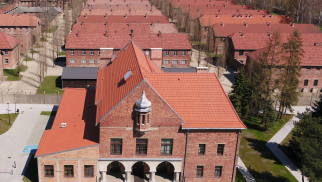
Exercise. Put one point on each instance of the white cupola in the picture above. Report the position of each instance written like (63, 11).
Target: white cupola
(142, 109)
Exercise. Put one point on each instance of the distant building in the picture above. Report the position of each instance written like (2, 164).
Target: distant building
(142, 123)
(9, 50)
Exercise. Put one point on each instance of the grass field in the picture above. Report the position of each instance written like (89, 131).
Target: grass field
(48, 113)
(239, 177)
(4, 122)
(12, 74)
(51, 85)
(263, 165)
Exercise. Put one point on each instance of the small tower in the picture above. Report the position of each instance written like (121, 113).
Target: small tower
(142, 116)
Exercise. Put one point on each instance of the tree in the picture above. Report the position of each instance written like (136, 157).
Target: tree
(306, 143)
(289, 78)
(317, 108)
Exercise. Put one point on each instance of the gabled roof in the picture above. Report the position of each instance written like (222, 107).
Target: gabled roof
(77, 110)
(8, 41)
(14, 20)
(198, 99)
(122, 19)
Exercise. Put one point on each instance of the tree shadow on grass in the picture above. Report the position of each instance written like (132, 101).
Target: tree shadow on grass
(267, 177)
(260, 146)
(254, 123)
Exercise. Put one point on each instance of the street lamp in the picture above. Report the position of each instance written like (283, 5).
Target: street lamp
(8, 113)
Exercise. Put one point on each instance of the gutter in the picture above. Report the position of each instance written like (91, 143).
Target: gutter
(235, 159)
(185, 158)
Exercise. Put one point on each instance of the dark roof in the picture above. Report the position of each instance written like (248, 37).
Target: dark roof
(87, 73)
(179, 70)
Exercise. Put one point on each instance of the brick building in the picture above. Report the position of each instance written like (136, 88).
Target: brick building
(94, 44)
(148, 125)
(9, 50)
(24, 27)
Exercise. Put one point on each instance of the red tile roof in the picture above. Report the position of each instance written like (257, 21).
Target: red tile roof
(223, 30)
(139, 9)
(8, 41)
(91, 36)
(77, 109)
(198, 99)
(209, 20)
(14, 20)
(122, 19)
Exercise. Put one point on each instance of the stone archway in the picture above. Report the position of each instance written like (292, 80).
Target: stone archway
(115, 171)
(165, 170)
(140, 171)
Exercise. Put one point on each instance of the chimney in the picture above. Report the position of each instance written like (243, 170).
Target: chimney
(105, 33)
(77, 33)
(219, 10)
(85, 16)
(146, 15)
(268, 24)
(263, 15)
(82, 23)
(217, 15)
(105, 15)
(242, 34)
(224, 5)
(128, 25)
(202, 69)
(106, 23)
(222, 24)
(269, 34)
(292, 24)
(207, 5)
(125, 16)
(245, 24)
(159, 34)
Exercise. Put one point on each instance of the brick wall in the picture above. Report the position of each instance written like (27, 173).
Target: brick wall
(11, 57)
(77, 158)
(78, 57)
(1, 69)
(170, 58)
(164, 123)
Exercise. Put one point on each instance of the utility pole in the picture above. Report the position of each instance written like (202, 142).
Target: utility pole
(8, 113)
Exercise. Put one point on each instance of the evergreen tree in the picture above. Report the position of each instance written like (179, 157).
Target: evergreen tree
(317, 108)
(289, 78)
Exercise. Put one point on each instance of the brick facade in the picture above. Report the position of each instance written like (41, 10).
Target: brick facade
(10, 57)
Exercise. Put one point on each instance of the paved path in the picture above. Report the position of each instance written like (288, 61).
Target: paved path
(273, 143)
(26, 130)
(25, 107)
(243, 169)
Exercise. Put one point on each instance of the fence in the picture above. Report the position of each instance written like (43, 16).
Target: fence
(30, 99)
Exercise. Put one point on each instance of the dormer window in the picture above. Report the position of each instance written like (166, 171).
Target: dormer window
(142, 110)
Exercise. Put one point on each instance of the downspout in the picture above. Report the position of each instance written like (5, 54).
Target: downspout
(185, 158)
(235, 160)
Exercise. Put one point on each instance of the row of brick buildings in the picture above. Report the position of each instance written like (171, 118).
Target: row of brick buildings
(104, 27)
(142, 124)
(232, 31)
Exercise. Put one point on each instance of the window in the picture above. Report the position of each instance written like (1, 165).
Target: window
(141, 146)
(49, 171)
(72, 61)
(92, 52)
(241, 53)
(175, 53)
(83, 61)
(88, 171)
(183, 53)
(317, 71)
(166, 62)
(166, 146)
(220, 149)
(20, 29)
(5, 52)
(183, 62)
(98, 61)
(83, 52)
(2, 29)
(174, 61)
(306, 82)
(199, 173)
(116, 146)
(92, 61)
(69, 170)
(308, 70)
(202, 149)
(99, 52)
(147, 53)
(6, 61)
(315, 83)
(167, 53)
(220, 47)
(218, 171)
(71, 52)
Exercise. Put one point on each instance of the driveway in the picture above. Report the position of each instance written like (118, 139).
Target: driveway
(26, 130)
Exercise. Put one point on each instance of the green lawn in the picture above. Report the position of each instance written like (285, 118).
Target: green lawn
(62, 53)
(53, 29)
(4, 122)
(12, 74)
(51, 85)
(239, 177)
(262, 163)
(48, 113)
(285, 147)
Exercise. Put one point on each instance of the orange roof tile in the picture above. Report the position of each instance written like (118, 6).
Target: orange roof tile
(198, 99)
(8, 41)
(122, 19)
(77, 109)
(13, 20)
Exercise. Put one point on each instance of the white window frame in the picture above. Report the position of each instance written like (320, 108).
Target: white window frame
(174, 61)
(166, 61)
(72, 52)
(183, 53)
(183, 61)
(72, 61)
(83, 52)
(92, 52)
(175, 53)
(83, 61)
(167, 53)
(5, 52)
(6, 61)
(92, 61)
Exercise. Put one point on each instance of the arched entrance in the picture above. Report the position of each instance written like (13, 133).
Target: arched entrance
(165, 170)
(140, 171)
(115, 171)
